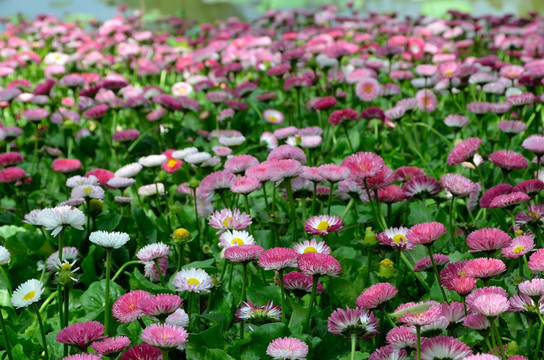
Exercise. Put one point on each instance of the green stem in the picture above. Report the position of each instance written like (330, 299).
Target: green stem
(40, 322)
(498, 336)
(265, 198)
(540, 331)
(330, 198)
(244, 284)
(282, 289)
(59, 287)
(197, 224)
(311, 304)
(181, 251)
(159, 271)
(66, 313)
(345, 126)
(389, 320)
(452, 211)
(437, 276)
(107, 307)
(353, 345)
(314, 198)
(348, 207)
(417, 275)
(418, 335)
(164, 354)
(132, 262)
(292, 204)
(6, 339)
(368, 265)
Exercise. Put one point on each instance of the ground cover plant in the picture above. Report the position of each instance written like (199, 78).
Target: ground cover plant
(310, 185)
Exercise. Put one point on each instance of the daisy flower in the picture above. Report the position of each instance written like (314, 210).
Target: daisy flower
(376, 295)
(193, 280)
(164, 336)
(27, 293)
(257, 314)
(111, 346)
(519, 246)
(142, 352)
(444, 347)
(356, 321)
(395, 237)
(57, 218)
(127, 307)
(278, 259)
(323, 224)
(287, 348)
(82, 334)
(235, 238)
(318, 264)
(111, 240)
(227, 219)
(5, 256)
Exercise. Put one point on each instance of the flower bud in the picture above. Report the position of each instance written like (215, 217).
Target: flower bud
(387, 269)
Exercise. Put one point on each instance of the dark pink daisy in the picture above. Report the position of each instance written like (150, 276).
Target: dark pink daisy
(422, 186)
(81, 334)
(10, 158)
(142, 352)
(127, 307)
(493, 192)
(464, 151)
(509, 200)
(338, 117)
(530, 187)
(126, 135)
(11, 174)
(426, 264)
(391, 194)
(161, 305)
(457, 184)
(300, 283)
(66, 165)
(508, 160)
(484, 268)
(244, 253)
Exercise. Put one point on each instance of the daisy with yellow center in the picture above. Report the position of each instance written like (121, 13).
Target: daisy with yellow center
(312, 246)
(27, 294)
(193, 280)
(323, 224)
(273, 116)
(395, 237)
(235, 238)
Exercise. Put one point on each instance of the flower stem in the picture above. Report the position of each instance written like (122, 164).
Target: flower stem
(159, 271)
(244, 284)
(66, 313)
(345, 126)
(411, 267)
(59, 286)
(197, 224)
(107, 307)
(452, 212)
(282, 288)
(311, 304)
(181, 251)
(498, 336)
(40, 322)
(6, 339)
(133, 262)
(292, 204)
(353, 345)
(164, 354)
(418, 334)
(437, 276)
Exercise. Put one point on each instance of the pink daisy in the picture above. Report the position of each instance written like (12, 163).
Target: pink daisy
(245, 185)
(456, 121)
(161, 305)
(229, 220)
(376, 295)
(111, 346)
(81, 334)
(457, 184)
(356, 321)
(511, 126)
(426, 100)
(164, 336)
(323, 224)
(367, 89)
(418, 314)
(283, 152)
(333, 173)
(444, 347)
(240, 163)
(536, 261)
(422, 186)
(426, 264)
(425, 233)
(10, 158)
(280, 170)
(244, 253)
(476, 322)
(395, 237)
(278, 259)
(508, 160)
(464, 151)
(490, 305)
(287, 348)
(530, 187)
(391, 194)
(127, 307)
(533, 288)
(11, 174)
(66, 165)
(300, 283)
(484, 268)
(316, 264)
(363, 165)
(509, 200)
(493, 192)
(388, 353)
(401, 337)
(488, 240)
(519, 246)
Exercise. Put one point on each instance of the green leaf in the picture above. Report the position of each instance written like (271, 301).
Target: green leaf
(205, 265)
(110, 223)
(216, 354)
(138, 281)
(93, 299)
(88, 273)
(146, 226)
(262, 294)
(8, 231)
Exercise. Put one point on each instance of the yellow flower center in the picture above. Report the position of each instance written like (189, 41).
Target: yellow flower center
(29, 296)
(368, 88)
(237, 241)
(66, 266)
(88, 191)
(193, 282)
(172, 162)
(387, 263)
(519, 232)
(310, 249)
(323, 225)
(399, 238)
(227, 221)
(132, 306)
(518, 249)
(272, 118)
(448, 72)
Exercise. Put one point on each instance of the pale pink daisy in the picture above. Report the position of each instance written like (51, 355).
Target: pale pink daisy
(164, 336)
(323, 224)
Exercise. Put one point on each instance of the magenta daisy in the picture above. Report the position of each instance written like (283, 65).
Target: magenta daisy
(161, 305)
(287, 348)
(142, 352)
(376, 295)
(508, 160)
(530, 187)
(444, 347)
(164, 336)
(243, 254)
(484, 268)
(358, 322)
(81, 335)
(323, 224)
(426, 263)
(457, 184)
(509, 200)
(422, 186)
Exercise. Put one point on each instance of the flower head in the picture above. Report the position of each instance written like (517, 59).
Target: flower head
(81, 334)
(257, 314)
(164, 336)
(27, 293)
(376, 295)
(109, 240)
(488, 239)
(287, 348)
(318, 264)
(359, 322)
(127, 307)
(323, 224)
(229, 220)
(425, 233)
(278, 259)
(193, 280)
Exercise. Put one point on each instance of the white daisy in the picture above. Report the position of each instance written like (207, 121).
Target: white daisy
(231, 140)
(235, 238)
(32, 217)
(181, 154)
(181, 89)
(87, 192)
(77, 180)
(151, 189)
(211, 162)
(27, 293)
(129, 170)
(193, 280)
(152, 160)
(112, 240)
(56, 218)
(120, 182)
(178, 318)
(312, 246)
(5, 257)
(68, 253)
(197, 158)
